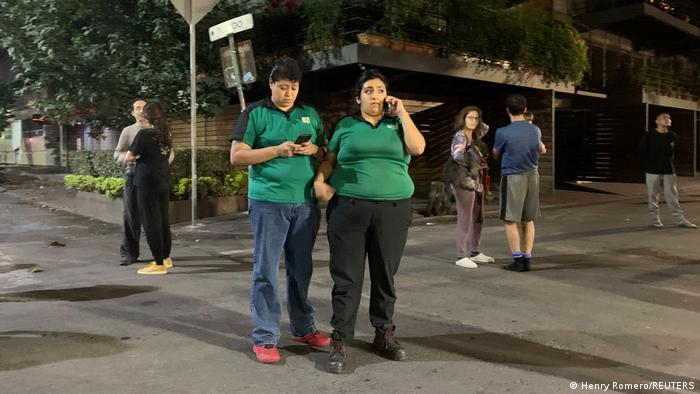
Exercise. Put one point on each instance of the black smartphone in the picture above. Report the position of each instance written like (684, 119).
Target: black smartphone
(389, 109)
(303, 138)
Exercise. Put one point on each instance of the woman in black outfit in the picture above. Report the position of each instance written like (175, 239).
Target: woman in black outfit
(152, 149)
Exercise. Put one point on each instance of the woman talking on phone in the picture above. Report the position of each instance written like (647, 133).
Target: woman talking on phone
(278, 138)
(365, 178)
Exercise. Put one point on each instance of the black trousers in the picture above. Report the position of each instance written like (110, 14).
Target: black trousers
(155, 217)
(359, 229)
(131, 220)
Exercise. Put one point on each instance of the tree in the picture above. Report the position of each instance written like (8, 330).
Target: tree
(86, 60)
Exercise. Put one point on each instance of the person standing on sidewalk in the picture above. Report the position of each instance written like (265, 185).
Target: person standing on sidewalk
(152, 151)
(129, 249)
(656, 150)
(519, 144)
(466, 178)
(280, 140)
(369, 211)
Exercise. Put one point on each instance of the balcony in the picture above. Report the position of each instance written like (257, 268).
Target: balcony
(666, 26)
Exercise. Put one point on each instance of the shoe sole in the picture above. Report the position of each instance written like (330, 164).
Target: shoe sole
(336, 369)
(386, 356)
(305, 342)
(152, 273)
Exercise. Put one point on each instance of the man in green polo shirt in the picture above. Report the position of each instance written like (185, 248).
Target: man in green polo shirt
(279, 139)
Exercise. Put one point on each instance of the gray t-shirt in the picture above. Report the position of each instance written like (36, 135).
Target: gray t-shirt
(126, 138)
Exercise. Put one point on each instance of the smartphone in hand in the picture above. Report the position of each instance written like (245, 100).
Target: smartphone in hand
(389, 109)
(302, 138)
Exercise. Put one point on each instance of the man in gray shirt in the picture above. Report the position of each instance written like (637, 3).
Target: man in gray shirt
(129, 249)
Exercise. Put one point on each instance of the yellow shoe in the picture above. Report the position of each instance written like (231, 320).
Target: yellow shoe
(153, 269)
(168, 263)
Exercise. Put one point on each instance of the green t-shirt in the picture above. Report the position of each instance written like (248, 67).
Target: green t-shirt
(372, 162)
(283, 179)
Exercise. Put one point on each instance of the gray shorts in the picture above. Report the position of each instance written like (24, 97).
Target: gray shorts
(520, 197)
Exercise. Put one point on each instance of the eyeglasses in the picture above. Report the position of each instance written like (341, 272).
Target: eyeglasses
(472, 117)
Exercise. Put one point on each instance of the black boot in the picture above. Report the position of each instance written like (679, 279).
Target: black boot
(385, 344)
(517, 265)
(336, 362)
(526, 264)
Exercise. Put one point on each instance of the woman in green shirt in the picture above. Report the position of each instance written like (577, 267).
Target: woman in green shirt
(365, 179)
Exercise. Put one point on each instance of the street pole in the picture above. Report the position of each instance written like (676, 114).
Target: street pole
(193, 120)
(61, 146)
(236, 71)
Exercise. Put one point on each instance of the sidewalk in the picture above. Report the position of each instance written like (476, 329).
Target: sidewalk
(47, 191)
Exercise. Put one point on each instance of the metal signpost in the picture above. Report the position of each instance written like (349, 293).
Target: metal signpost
(193, 11)
(229, 28)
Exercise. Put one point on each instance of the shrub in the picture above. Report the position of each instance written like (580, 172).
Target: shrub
(80, 182)
(233, 184)
(80, 162)
(211, 162)
(112, 187)
(99, 163)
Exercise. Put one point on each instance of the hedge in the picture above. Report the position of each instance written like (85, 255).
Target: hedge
(98, 171)
(211, 162)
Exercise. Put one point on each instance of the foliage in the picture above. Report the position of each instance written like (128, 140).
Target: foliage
(111, 187)
(492, 30)
(234, 183)
(80, 182)
(99, 163)
(237, 182)
(98, 171)
(89, 59)
(321, 17)
(7, 98)
(211, 162)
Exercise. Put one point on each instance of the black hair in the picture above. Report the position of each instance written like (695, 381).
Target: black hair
(460, 124)
(366, 76)
(516, 104)
(155, 115)
(134, 100)
(285, 68)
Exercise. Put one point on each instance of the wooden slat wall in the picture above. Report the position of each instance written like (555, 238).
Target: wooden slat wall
(598, 144)
(211, 132)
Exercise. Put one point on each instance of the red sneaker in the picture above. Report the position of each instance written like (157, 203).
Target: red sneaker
(315, 339)
(267, 353)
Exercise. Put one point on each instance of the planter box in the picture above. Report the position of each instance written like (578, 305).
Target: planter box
(397, 44)
(109, 209)
(181, 211)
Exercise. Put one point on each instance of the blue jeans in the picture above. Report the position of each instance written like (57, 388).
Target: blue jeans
(290, 228)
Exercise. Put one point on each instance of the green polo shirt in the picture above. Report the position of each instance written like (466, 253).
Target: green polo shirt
(283, 179)
(372, 162)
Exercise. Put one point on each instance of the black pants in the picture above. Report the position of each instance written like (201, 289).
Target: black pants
(131, 220)
(358, 229)
(153, 211)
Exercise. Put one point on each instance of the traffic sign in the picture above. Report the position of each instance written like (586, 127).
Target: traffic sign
(231, 26)
(193, 10)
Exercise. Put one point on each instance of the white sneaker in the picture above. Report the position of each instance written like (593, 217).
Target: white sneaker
(466, 262)
(482, 258)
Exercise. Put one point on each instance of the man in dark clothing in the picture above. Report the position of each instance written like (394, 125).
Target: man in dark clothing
(656, 151)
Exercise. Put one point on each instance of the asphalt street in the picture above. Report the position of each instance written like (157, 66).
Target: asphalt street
(609, 302)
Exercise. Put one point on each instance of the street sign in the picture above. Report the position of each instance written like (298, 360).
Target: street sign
(193, 10)
(244, 52)
(231, 26)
